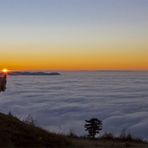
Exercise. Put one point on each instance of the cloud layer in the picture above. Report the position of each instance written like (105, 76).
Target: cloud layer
(63, 103)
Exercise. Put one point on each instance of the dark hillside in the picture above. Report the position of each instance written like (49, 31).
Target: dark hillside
(17, 134)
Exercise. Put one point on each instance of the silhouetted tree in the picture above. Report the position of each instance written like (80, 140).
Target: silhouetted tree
(93, 127)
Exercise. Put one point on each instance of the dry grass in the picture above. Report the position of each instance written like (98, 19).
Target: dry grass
(17, 134)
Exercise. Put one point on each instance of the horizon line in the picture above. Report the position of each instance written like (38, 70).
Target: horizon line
(107, 70)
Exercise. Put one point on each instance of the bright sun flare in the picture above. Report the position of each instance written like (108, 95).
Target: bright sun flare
(5, 70)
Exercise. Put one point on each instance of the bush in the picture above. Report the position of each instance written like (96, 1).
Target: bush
(29, 120)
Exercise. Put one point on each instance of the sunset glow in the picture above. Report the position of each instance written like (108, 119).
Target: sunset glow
(5, 70)
(74, 35)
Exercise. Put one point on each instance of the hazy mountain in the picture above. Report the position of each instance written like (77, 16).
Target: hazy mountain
(34, 73)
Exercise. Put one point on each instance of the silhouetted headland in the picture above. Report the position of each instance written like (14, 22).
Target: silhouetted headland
(3, 82)
(34, 73)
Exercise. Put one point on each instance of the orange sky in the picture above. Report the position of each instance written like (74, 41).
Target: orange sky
(98, 59)
(74, 35)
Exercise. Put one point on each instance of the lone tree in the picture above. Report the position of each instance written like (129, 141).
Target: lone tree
(93, 127)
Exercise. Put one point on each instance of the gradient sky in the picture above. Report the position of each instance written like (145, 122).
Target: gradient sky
(74, 34)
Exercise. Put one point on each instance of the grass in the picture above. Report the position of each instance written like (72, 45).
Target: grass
(19, 134)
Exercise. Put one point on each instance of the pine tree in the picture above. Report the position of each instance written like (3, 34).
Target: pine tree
(93, 127)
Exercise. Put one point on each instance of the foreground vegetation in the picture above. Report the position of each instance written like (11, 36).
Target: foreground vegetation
(15, 133)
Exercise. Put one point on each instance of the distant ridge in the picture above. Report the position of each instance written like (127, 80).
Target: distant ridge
(34, 73)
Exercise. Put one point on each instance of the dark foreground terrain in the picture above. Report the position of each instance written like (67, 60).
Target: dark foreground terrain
(18, 134)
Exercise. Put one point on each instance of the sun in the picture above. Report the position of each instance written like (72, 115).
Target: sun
(5, 70)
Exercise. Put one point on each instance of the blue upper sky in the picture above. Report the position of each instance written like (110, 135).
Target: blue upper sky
(61, 12)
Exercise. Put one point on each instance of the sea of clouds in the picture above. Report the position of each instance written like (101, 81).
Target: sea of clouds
(63, 103)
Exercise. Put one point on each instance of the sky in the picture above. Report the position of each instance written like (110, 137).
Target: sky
(74, 34)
